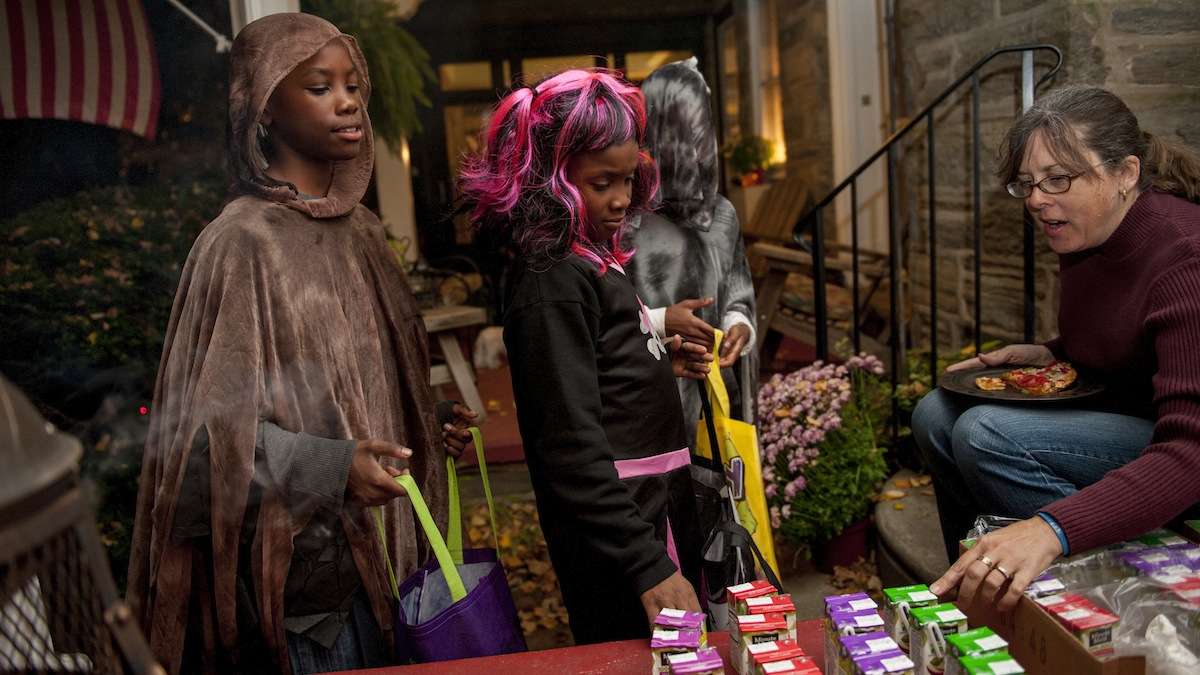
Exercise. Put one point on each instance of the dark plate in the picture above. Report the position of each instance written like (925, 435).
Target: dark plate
(963, 382)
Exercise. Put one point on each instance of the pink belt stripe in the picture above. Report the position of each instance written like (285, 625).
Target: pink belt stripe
(653, 466)
(672, 553)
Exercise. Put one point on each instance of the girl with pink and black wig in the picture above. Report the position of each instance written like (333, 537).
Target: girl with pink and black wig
(561, 171)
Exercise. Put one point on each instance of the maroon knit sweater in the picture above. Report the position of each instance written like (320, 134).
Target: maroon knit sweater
(1130, 312)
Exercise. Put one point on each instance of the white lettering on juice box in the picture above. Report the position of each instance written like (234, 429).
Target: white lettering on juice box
(665, 635)
(862, 603)
(951, 615)
(921, 596)
(673, 613)
(991, 642)
(763, 647)
(1006, 668)
(683, 658)
(882, 645)
(1075, 614)
(753, 618)
(741, 588)
(868, 621)
(895, 663)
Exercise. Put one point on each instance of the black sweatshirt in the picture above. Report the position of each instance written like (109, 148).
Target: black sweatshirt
(594, 385)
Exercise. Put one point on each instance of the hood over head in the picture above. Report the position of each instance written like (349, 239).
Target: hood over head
(681, 137)
(264, 52)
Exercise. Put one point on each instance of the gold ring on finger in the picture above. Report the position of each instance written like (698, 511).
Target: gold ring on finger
(986, 561)
(1003, 571)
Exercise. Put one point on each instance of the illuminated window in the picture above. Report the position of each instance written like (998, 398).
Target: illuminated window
(471, 76)
(535, 69)
(639, 65)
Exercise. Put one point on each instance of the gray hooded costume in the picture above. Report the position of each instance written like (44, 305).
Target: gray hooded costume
(692, 246)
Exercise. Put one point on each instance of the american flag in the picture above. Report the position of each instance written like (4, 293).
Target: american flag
(84, 60)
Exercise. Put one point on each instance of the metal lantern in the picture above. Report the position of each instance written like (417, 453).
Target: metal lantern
(59, 608)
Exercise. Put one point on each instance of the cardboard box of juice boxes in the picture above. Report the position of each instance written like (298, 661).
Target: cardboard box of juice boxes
(1054, 630)
(911, 634)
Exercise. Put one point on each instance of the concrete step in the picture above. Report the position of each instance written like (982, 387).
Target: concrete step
(909, 548)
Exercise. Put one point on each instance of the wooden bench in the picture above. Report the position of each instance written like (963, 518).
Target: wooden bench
(441, 324)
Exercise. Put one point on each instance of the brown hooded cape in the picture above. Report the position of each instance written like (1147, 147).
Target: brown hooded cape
(293, 311)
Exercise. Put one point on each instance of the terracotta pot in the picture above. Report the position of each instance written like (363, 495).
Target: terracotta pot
(844, 549)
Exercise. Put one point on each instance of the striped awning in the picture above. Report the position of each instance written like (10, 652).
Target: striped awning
(83, 60)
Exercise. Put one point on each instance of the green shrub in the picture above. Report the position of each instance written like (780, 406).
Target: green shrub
(86, 286)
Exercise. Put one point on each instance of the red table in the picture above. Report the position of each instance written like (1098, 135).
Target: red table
(610, 658)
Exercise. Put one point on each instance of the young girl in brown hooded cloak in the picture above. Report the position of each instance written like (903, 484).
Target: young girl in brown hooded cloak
(295, 360)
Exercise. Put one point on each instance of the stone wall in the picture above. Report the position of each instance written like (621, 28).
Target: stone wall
(804, 72)
(1148, 52)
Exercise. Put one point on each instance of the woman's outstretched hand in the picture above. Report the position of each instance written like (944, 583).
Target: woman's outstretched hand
(1014, 355)
(689, 359)
(1001, 565)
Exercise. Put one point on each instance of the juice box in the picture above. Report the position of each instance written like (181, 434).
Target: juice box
(1163, 539)
(848, 622)
(1091, 625)
(755, 629)
(1045, 585)
(679, 619)
(896, 663)
(768, 652)
(664, 643)
(735, 599)
(927, 635)
(702, 662)
(896, 603)
(995, 663)
(851, 647)
(798, 666)
(1187, 590)
(850, 602)
(982, 640)
(1051, 601)
(775, 604)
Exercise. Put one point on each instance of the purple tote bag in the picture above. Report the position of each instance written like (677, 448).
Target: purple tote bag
(457, 605)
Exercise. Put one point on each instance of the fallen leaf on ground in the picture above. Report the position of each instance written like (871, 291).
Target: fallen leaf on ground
(902, 483)
(918, 481)
(899, 506)
(894, 494)
(927, 493)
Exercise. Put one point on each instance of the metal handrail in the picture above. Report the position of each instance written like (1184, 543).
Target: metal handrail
(916, 119)
(814, 221)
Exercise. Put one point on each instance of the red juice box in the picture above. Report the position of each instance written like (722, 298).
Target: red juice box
(775, 604)
(755, 629)
(798, 666)
(778, 650)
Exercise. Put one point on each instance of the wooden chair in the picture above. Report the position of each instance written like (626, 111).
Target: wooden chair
(783, 272)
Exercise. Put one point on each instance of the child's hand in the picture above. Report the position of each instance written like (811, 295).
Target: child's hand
(689, 359)
(674, 592)
(733, 344)
(680, 320)
(457, 436)
(369, 482)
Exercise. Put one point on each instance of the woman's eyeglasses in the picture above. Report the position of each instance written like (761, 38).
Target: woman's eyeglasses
(1051, 185)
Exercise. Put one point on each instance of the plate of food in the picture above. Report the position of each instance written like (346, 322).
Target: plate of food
(1058, 381)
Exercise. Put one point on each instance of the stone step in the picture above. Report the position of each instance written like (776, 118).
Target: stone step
(909, 545)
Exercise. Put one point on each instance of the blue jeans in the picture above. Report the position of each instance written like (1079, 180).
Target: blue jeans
(359, 645)
(1013, 460)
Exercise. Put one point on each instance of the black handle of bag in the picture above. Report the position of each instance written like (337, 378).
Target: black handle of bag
(706, 410)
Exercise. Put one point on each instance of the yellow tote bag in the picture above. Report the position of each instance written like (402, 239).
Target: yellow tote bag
(739, 449)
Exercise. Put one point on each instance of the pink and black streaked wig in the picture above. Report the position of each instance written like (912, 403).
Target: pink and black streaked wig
(518, 183)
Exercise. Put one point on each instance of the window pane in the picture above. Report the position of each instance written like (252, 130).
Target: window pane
(535, 69)
(639, 65)
(465, 76)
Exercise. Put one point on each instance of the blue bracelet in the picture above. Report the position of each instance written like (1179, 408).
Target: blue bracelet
(1058, 531)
